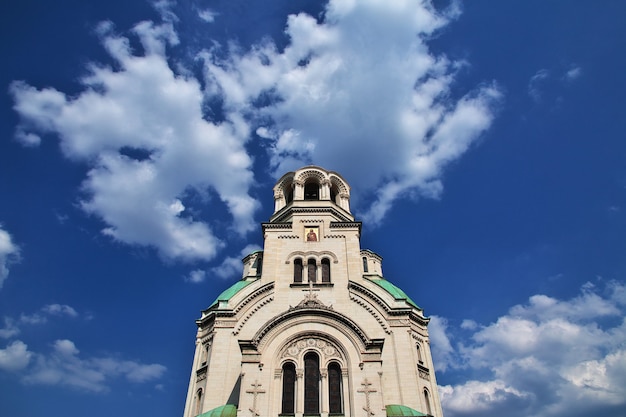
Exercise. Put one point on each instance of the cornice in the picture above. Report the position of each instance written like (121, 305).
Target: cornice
(290, 209)
(389, 310)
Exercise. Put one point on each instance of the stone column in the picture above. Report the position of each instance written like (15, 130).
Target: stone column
(299, 390)
(325, 406)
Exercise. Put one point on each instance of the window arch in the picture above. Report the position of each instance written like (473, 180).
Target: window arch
(289, 388)
(427, 401)
(333, 193)
(335, 401)
(297, 270)
(311, 383)
(311, 191)
(312, 270)
(419, 354)
(325, 270)
(288, 192)
(198, 401)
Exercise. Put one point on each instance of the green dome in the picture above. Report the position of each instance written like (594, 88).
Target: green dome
(396, 410)
(396, 292)
(227, 410)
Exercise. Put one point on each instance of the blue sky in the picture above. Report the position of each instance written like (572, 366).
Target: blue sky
(483, 141)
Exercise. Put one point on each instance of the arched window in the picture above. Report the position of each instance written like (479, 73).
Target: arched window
(325, 270)
(258, 265)
(334, 389)
(199, 402)
(419, 354)
(427, 401)
(297, 270)
(311, 191)
(364, 264)
(311, 383)
(204, 359)
(288, 192)
(289, 388)
(312, 270)
(333, 194)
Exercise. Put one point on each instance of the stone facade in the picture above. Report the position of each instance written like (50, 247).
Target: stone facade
(313, 327)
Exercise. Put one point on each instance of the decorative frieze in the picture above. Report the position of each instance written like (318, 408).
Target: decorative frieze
(326, 348)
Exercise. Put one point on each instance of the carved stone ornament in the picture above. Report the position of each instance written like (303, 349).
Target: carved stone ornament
(326, 348)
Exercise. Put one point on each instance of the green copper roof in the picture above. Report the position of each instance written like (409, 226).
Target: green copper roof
(396, 292)
(395, 410)
(228, 293)
(227, 410)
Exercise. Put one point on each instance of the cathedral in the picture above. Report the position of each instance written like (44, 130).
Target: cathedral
(313, 328)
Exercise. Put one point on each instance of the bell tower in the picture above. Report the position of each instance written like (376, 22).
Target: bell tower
(313, 328)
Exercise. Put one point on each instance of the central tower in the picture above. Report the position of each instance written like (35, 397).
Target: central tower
(312, 328)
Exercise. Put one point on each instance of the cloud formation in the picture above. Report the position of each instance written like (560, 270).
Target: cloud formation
(360, 92)
(64, 366)
(12, 325)
(142, 131)
(9, 253)
(356, 90)
(15, 356)
(549, 357)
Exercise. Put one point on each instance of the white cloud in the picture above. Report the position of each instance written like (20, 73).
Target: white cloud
(443, 355)
(573, 73)
(207, 15)
(554, 357)
(40, 317)
(9, 253)
(232, 266)
(360, 93)
(197, 276)
(142, 130)
(59, 310)
(10, 329)
(64, 366)
(15, 356)
(478, 397)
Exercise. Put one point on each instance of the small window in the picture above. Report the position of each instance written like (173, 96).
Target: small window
(288, 192)
(325, 270)
(333, 194)
(312, 270)
(419, 354)
(311, 191)
(364, 264)
(199, 402)
(297, 270)
(427, 401)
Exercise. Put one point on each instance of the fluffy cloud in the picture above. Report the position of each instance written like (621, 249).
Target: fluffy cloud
(12, 325)
(64, 366)
(356, 90)
(360, 86)
(15, 356)
(554, 357)
(9, 253)
(231, 266)
(142, 130)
